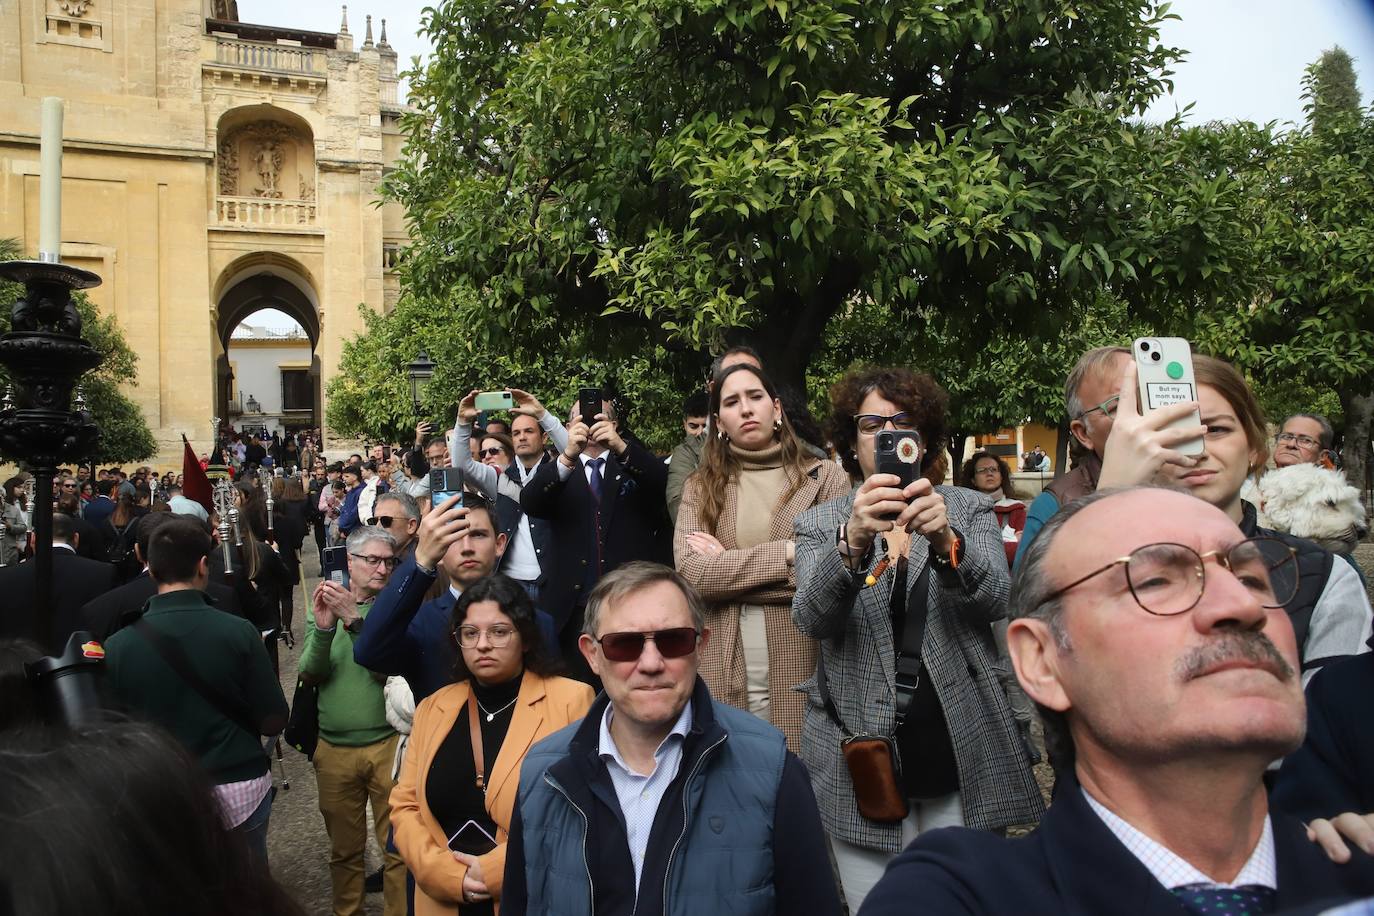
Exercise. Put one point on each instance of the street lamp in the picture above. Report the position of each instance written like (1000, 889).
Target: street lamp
(420, 372)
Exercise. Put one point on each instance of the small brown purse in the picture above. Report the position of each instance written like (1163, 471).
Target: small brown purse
(875, 769)
(874, 763)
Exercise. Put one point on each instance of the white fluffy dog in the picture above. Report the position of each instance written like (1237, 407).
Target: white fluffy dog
(1312, 502)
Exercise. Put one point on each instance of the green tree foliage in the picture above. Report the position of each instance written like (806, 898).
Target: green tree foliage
(1313, 323)
(370, 395)
(665, 173)
(124, 433)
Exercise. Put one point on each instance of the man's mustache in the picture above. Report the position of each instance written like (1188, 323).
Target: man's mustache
(1244, 645)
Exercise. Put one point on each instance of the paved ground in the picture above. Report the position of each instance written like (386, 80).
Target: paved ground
(296, 841)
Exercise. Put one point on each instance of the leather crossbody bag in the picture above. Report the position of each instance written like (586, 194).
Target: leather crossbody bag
(875, 765)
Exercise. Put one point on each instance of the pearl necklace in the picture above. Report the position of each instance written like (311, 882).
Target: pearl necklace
(493, 715)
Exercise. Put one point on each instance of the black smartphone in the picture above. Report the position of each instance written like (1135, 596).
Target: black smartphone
(898, 452)
(473, 839)
(589, 402)
(336, 565)
(386, 453)
(443, 483)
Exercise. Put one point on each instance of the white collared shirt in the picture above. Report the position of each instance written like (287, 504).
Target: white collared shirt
(1172, 871)
(564, 472)
(640, 795)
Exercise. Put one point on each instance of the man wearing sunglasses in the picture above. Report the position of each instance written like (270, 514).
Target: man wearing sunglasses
(662, 800)
(1166, 671)
(399, 515)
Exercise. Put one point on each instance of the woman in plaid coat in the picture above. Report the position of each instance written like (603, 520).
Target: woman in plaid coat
(733, 542)
(963, 762)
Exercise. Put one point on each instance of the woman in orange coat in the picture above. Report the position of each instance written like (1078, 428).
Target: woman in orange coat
(455, 797)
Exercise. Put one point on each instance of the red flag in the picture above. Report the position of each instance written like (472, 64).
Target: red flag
(194, 484)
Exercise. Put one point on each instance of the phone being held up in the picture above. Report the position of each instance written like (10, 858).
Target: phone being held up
(336, 565)
(589, 403)
(1164, 374)
(898, 452)
(444, 483)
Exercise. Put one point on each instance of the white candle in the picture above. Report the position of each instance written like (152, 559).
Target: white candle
(50, 182)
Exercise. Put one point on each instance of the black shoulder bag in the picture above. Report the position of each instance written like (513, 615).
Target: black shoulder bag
(875, 766)
(173, 655)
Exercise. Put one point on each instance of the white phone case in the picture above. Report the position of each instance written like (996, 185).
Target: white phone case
(1164, 374)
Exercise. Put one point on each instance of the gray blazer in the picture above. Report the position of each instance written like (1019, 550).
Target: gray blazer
(854, 626)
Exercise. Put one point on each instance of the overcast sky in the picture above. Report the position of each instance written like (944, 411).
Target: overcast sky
(1245, 57)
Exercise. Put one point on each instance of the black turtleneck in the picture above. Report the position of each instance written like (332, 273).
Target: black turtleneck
(451, 786)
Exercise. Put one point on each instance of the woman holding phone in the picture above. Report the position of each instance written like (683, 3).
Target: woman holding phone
(733, 543)
(1331, 614)
(455, 797)
(874, 567)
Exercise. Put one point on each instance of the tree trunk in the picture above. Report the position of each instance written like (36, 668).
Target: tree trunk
(1359, 425)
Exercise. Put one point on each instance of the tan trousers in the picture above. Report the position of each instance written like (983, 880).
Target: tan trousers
(348, 778)
(753, 637)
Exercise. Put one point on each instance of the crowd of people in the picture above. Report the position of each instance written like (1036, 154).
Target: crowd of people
(771, 673)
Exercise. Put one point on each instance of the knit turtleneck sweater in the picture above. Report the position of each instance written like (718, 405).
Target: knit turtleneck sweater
(762, 480)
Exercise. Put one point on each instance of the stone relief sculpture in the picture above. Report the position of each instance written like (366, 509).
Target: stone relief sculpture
(265, 159)
(268, 161)
(75, 8)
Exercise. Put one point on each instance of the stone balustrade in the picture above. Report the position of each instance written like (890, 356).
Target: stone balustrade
(264, 211)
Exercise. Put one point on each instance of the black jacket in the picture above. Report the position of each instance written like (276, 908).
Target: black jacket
(1073, 865)
(1333, 771)
(113, 611)
(630, 523)
(75, 581)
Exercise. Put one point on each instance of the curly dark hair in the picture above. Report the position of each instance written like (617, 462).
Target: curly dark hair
(914, 392)
(515, 603)
(965, 478)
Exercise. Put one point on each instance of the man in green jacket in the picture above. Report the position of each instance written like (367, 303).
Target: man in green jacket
(357, 746)
(223, 652)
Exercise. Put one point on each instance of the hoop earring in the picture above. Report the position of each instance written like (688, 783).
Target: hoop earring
(720, 434)
(777, 425)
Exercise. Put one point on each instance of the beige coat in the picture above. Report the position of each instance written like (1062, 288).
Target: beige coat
(761, 576)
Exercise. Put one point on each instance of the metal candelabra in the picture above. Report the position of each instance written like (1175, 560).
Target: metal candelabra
(46, 356)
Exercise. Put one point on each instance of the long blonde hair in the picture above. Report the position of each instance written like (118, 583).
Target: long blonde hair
(719, 464)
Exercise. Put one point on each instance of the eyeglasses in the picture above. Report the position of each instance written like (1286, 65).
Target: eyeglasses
(386, 521)
(870, 423)
(490, 452)
(498, 636)
(1306, 442)
(994, 469)
(69, 486)
(389, 562)
(1167, 579)
(627, 647)
(1108, 408)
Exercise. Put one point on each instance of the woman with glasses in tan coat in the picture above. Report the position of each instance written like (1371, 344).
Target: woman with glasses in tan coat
(733, 542)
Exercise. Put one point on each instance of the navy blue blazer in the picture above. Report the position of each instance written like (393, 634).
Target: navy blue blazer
(1073, 865)
(630, 523)
(1333, 771)
(406, 635)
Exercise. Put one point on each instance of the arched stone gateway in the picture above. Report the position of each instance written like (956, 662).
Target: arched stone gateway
(265, 280)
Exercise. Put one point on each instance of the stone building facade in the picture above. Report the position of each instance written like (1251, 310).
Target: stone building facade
(212, 168)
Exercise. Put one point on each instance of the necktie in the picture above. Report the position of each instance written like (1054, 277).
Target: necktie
(1208, 900)
(595, 480)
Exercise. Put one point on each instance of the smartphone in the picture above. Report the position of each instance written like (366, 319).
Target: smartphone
(472, 838)
(1164, 372)
(386, 453)
(589, 402)
(494, 400)
(336, 565)
(443, 483)
(898, 452)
